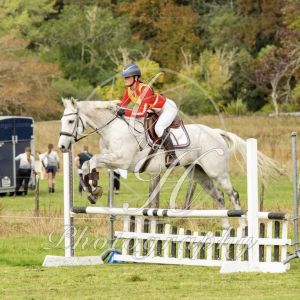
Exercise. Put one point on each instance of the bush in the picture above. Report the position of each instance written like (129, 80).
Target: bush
(195, 103)
(237, 107)
(267, 109)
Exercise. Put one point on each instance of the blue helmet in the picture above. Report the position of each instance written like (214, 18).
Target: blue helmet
(131, 70)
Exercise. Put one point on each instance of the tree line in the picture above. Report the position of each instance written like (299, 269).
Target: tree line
(232, 56)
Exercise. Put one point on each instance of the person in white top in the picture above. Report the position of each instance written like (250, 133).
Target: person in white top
(50, 161)
(39, 166)
(25, 168)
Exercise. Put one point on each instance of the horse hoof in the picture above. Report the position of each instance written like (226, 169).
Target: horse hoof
(98, 192)
(94, 183)
(92, 199)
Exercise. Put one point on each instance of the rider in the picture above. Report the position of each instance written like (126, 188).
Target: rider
(142, 94)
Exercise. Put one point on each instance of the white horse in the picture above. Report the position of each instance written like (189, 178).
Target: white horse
(206, 159)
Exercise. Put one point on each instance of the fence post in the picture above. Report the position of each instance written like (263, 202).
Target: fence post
(252, 195)
(68, 204)
(37, 196)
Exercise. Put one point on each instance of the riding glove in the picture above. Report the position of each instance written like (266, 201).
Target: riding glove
(120, 112)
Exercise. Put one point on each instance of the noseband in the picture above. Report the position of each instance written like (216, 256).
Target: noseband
(74, 134)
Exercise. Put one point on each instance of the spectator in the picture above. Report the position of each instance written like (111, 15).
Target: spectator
(80, 159)
(50, 161)
(117, 174)
(25, 168)
(117, 182)
(39, 166)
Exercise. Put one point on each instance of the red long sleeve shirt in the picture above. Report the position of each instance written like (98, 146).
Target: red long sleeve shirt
(144, 96)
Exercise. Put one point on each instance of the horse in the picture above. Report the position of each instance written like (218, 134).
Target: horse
(205, 159)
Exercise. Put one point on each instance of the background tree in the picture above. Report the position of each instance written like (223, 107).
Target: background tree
(206, 83)
(277, 69)
(25, 82)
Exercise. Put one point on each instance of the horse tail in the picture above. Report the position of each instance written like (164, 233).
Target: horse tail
(267, 167)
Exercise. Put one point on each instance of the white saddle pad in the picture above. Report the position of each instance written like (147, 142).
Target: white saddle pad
(179, 136)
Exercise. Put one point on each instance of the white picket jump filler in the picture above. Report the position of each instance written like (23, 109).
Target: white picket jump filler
(198, 243)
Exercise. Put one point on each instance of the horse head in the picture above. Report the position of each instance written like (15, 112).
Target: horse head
(76, 117)
(72, 124)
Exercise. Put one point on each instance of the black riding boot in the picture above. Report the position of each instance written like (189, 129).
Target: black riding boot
(171, 158)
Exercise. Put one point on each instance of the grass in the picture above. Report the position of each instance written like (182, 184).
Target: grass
(137, 281)
(24, 242)
(25, 239)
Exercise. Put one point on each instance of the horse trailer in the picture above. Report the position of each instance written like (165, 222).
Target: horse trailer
(16, 133)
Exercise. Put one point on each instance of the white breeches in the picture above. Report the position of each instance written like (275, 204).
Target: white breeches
(166, 117)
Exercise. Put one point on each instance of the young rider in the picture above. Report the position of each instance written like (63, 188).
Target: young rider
(142, 94)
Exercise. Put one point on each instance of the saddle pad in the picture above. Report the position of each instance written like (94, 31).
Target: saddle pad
(179, 135)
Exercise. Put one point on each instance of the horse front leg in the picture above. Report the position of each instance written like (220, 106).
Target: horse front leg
(90, 176)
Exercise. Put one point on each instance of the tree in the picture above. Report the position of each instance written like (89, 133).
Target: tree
(277, 68)
(205, 84)
(25, 87)
(24, 16)
(83, 42)
(261, 21)
(165, 27)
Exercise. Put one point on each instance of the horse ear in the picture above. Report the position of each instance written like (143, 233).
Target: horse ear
(73, 102)
(65, 102)
(113, 104)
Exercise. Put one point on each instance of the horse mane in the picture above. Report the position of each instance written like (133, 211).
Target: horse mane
(97, 104)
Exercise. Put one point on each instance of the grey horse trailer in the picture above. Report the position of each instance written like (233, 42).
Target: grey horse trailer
(16, 133)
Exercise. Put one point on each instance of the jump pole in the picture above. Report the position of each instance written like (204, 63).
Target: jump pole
(69, 231)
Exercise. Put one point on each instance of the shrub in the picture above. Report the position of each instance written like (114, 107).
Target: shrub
(237, 107)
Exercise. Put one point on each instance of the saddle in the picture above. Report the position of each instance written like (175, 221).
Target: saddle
(150, 122)
(181, 139)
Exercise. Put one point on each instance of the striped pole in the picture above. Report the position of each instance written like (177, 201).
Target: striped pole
(174, 213)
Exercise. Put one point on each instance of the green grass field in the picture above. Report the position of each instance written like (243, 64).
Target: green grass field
(25, 240)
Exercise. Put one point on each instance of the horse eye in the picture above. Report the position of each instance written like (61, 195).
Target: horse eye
(71, 121)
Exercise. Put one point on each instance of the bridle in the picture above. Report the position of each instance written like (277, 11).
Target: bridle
(74, 133)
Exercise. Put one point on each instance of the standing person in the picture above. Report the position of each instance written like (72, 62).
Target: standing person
(117, 182)
(81, 158)
(118, 173)
(50, 160)
(142, 95)
(39, 166)
(25, 169)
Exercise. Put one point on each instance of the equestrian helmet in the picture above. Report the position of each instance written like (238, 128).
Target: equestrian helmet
(131, 70)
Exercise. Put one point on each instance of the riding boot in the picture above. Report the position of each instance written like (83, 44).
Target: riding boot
(171, 158)
(53, 186)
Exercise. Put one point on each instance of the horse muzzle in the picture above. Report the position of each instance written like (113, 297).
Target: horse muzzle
(64, 144)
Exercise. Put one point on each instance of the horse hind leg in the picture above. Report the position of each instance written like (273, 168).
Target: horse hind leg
(233, 195)
(209, 187)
